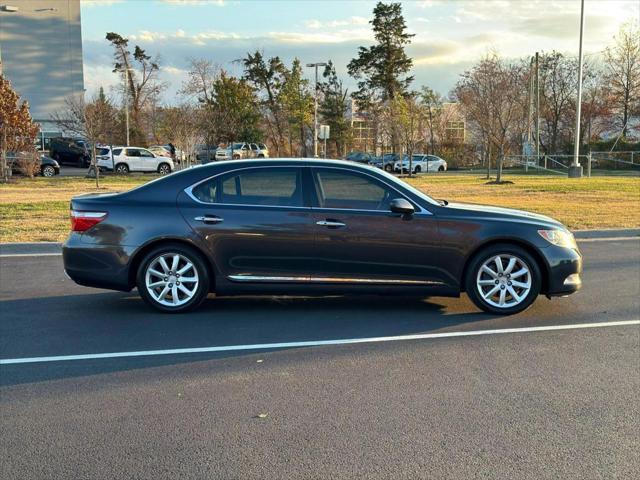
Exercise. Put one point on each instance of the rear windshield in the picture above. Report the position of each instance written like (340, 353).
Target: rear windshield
(103, 151)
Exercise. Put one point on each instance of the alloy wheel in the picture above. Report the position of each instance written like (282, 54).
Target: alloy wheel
(171, 279)
(48, 171)
(164, 169)
(504, 281)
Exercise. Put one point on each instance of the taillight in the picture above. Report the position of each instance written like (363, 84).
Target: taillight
(83, 221)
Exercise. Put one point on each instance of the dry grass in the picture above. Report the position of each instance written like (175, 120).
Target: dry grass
(38, 209)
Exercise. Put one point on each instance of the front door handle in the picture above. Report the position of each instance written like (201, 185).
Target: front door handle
(331, 224)
(210, 219)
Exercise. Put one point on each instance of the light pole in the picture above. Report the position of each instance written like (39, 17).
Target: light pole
(126, 71)
(575, 170)
(315, 107)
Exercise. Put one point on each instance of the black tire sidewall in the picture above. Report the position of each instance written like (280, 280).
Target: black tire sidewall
(164, 165)
(125, 171)
(198, 261)
(482, 256)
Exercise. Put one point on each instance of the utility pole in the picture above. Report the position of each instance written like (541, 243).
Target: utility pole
(537, 109)
(575, 170)
(126, 101)
(315, 107)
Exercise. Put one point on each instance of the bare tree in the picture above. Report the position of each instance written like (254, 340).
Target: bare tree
(93, 121)
(184, 126)
(140, 75)
(488, 95)
(623, 73)
(410, 119)
(201, 78)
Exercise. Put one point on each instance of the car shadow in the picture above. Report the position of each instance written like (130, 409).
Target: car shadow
(121, 322)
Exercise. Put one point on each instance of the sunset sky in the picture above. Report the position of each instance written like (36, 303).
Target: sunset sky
(449, 35)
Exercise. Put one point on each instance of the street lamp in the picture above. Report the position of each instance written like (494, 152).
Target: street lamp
(126, 99)
(315, 107)
(575, 170)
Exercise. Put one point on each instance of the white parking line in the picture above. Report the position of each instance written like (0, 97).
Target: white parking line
(313, 343)
(607, 239)
(10, 255)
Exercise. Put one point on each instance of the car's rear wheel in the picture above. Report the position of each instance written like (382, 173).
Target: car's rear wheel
(164, 169)
(122, 169)
(441, 168)
(503, 279)
(417, 169)
(173, 278)
(48, 171)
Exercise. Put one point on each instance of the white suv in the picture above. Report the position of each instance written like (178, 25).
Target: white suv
(421, 163)
(243, 150)
(135, 159)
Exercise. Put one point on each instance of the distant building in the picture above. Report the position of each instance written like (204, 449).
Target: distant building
(362, 129)
(41, 54)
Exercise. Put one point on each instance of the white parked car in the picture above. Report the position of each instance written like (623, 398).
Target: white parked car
(135, 159)
(421, 163)
(243, 150)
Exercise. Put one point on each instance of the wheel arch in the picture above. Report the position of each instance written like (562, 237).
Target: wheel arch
(139, 255)
(529, 248)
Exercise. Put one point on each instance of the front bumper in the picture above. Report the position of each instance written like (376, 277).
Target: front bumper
(564, 267)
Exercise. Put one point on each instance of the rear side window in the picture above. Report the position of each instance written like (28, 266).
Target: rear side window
(103, 151)
(276, 187)
(342, 189)
(270, 187)
(117, 151)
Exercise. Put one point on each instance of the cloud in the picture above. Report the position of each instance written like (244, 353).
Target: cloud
(317, 24)
(218, 3)
(99, 3)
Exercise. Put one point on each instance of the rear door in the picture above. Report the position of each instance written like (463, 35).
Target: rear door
(360, 241)
(255, 222)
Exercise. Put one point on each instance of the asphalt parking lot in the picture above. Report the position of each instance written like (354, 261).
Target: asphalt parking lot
(526, 404)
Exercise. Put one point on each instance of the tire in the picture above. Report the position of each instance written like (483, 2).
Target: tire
(164, 169)
(236, 157)
(479, 293)
(417, 169)
(122, 169)
(198, 271)
(48, 171)
(441, 168)
(388, 168)
(261, 155)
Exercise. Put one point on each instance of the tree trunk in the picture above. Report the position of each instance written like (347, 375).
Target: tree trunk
(500, 159)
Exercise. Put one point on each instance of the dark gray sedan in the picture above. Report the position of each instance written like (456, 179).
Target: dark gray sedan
(299, 226)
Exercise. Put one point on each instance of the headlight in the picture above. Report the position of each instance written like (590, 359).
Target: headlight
(561, 238)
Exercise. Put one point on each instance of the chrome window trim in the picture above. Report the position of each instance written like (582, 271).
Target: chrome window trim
(311, 279)
(189, 191)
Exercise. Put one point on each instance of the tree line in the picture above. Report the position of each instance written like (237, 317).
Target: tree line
(272, 102)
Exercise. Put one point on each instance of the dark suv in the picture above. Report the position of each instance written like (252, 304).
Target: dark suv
(70, 150)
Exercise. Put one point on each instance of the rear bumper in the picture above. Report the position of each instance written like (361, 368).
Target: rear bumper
(565, 267)
(99, 266)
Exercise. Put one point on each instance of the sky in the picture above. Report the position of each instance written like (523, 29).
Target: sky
(450, 35)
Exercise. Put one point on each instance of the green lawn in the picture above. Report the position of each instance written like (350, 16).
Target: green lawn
(38, 209)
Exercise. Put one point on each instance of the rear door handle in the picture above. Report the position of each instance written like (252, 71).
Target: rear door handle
(210, 219)
(331, 224)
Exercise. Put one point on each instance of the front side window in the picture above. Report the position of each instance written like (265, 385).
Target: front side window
(350, 190)
(269, 187)
(146, 153)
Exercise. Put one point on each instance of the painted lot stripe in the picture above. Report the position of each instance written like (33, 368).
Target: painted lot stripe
(606, 239)
(50, 254)
(313, 343)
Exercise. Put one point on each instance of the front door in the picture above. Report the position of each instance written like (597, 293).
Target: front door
(133, 158)
(148, 161)
(255, 223)
(359, 240)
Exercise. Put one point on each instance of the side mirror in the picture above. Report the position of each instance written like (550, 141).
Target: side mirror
(401, 205)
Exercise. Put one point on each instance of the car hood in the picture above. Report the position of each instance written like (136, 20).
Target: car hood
(509, 214)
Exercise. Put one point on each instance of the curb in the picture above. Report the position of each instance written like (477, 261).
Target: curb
(50, 248)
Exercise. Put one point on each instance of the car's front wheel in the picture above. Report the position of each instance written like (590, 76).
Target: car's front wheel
(388, 168)
(503, 279)
(164, 169)
(173, 278)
